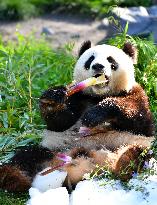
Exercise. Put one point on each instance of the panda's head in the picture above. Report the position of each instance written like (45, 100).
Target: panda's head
(116, 64)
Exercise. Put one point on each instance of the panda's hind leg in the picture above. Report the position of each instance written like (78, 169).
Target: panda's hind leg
(17, 175)
(130, 159)
(13, 179)
(32, 159)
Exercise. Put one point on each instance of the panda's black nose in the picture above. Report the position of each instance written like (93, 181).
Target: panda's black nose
(97, 67)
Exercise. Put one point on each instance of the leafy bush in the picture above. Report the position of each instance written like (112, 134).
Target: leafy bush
(15, 9)
(27, 68)
(13, 199)
(96, 7)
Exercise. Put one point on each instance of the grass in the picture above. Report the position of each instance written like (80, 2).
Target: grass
(28, 67)
(15, 9)
(12, 199)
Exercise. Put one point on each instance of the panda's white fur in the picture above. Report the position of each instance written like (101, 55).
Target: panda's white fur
(121, 79)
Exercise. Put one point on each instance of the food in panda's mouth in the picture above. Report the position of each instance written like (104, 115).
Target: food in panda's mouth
(86, 83)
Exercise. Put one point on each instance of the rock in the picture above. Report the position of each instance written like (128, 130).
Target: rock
(137, 17)
(152, 11)
(142, 21)
(47, 31)
(76, 35)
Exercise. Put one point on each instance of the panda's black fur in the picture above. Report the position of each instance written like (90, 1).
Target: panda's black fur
(126, 109)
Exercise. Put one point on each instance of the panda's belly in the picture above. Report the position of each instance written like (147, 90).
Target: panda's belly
(105, 138)
(71, 137)
(60, 140)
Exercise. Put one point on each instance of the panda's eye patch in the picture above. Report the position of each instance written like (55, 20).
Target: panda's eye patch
(110, 59)
(114, 64)
(88, 62)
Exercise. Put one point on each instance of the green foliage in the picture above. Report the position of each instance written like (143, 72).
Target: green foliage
(133, 3)
(12, 199)
(15, 9)
(27, 68)
(96, 7)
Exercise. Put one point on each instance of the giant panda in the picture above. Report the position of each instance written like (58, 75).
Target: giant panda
(115, 114)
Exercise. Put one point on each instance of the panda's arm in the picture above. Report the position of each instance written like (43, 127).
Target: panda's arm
(58, 111)
(106, 110)
(123, 113)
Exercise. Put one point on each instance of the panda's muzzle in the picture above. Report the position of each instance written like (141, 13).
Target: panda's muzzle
(98, 71)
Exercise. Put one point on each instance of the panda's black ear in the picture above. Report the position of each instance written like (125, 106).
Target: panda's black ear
(85, 46)
(131, 51)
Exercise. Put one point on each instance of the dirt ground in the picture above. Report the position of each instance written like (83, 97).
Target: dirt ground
(63, 29)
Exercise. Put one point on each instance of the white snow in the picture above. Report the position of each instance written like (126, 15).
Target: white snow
(142, 189)
(58, 196)
(142, 192)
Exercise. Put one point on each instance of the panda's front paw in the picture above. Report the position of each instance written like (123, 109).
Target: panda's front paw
(56, 94)
(53, 99)
(93, 117)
